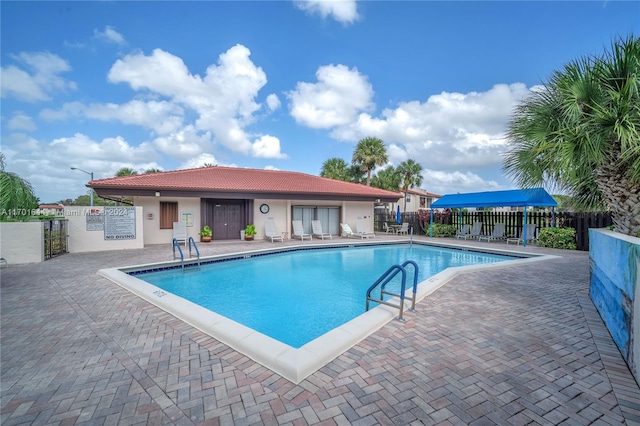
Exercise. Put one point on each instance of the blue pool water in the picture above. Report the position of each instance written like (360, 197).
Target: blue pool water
(297, 296)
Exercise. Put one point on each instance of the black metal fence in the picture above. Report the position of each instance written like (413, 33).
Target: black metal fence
(514, 221)
(55, 237)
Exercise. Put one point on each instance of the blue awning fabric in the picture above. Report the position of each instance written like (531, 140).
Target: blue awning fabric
(517, 197)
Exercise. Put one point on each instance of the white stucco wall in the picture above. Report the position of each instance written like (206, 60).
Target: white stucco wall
(22, 242)
(354, 210)
(81, 240)
(151, 218)
(279, 212)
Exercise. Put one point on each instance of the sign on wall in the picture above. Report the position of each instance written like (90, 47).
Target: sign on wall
(186, 218)
(95, 220)
(119, 223)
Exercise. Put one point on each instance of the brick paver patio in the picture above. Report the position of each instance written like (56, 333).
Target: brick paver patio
(520, 345)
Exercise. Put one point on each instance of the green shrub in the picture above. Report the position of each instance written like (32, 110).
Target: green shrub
(559, 238)
(442, 231)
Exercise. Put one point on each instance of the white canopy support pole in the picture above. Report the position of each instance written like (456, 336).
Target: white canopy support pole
(431, 223)
(524, 228)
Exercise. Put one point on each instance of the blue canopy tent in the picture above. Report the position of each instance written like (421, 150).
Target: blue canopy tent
(533, 197)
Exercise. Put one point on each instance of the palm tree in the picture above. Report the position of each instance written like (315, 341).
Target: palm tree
(152, 170)
(335, 168)
(369, 153)
(410, 175)
(17, 199)
(581, 133)
(126, 171)
(356, 174)
(387, 178)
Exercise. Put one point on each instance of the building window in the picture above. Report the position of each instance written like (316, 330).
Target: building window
(423, 202)
(408, 198)
(168, 214)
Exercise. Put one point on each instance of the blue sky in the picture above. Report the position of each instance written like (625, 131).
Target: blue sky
(279, 84)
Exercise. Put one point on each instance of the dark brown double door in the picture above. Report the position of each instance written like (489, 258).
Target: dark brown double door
(225, 217)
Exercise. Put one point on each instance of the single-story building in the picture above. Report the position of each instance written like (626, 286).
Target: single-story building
(228, 199)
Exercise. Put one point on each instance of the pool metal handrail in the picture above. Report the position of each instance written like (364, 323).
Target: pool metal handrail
(174, 244)
(191, 240)
(386, 278)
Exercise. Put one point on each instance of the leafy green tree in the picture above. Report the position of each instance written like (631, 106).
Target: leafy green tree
(152, 170)
(369, 153)
(410, 175)
(387, 178)
(581, 133)
(335, 168)
(17, 199)
(126, 171)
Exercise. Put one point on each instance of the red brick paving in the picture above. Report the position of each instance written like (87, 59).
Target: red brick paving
(520, 345)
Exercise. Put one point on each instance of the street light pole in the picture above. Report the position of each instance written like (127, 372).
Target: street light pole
(90, 174)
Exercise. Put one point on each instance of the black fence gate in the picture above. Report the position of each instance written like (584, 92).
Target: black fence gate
(55, 237)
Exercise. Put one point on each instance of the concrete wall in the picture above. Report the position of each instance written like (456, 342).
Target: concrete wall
(615, 283)
(82, 240)
(151, 218)
(22, 242)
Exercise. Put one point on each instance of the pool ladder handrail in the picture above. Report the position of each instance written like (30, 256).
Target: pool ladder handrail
(192, 241)
(386, 278)
(175, 243)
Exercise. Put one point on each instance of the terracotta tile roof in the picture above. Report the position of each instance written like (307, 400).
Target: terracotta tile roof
(422, 192)
(241, 180)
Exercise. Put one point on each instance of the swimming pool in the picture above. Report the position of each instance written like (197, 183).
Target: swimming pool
(294, 364)
(297, 296)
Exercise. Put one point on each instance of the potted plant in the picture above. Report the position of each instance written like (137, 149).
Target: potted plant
(206, 234)
(249, 232)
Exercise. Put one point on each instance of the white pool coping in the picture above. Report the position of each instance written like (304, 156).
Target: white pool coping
(295, 364)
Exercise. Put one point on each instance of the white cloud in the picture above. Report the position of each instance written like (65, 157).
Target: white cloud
(40, 79)
(20, 121)
(335, 100)
(184, 144)
(223, 99)
(161, 116)
(83, 149)
(267, 147)
(443, 182)
(46, 165)
(273, 102)
(199, 161)
(449, 131)
(270, 167)
(344, 11)
(110, 35)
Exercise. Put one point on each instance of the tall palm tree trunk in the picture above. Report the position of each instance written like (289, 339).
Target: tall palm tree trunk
(623, 198)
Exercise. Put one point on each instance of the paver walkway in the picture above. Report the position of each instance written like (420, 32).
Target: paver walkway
(520, 345)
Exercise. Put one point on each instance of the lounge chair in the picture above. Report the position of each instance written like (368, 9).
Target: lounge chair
(475, 232)
(404, 229)
(496, 234)
(316, 225)
(298, 231)
(360, 229)
(180, 232)
(531, 236)
(388, 229)
(270, 231)
(464, 232)
(347, 232)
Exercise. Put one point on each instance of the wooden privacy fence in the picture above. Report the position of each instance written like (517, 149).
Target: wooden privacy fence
(581, 222)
